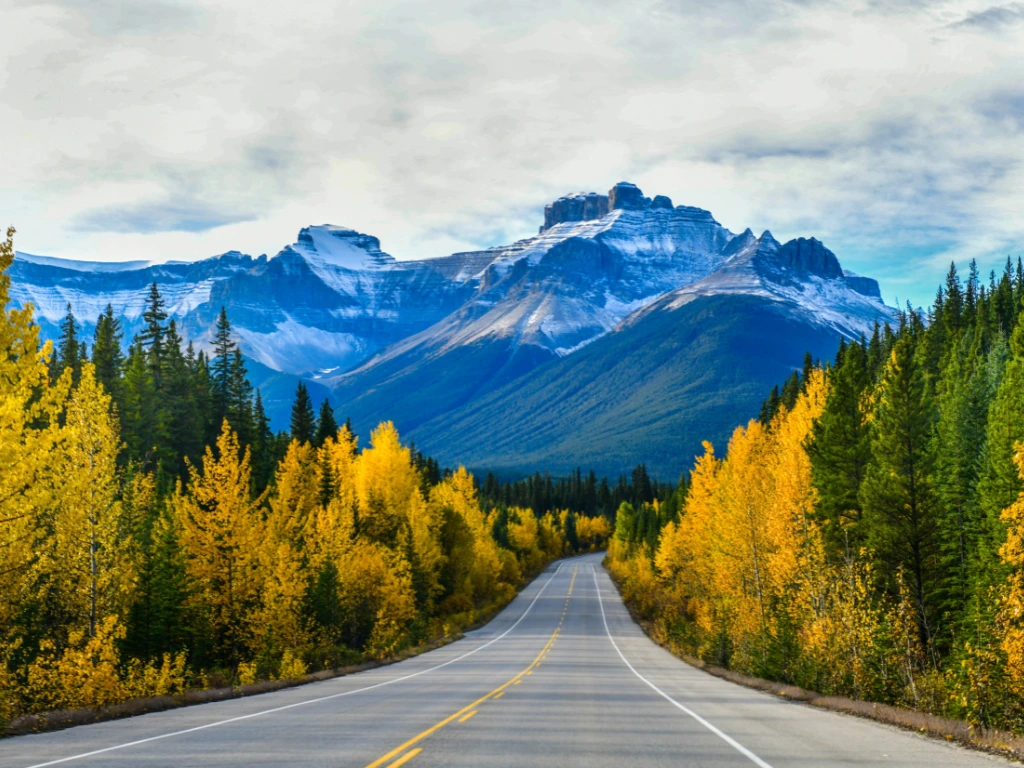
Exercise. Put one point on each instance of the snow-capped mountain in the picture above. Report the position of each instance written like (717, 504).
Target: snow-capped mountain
(803, 277)
(413, 340)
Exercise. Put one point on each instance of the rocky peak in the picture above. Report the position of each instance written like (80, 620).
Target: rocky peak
(809, 256)
(580, 206)
(627, 197)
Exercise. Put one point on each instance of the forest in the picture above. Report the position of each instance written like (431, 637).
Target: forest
(156, 535)
(865, 536)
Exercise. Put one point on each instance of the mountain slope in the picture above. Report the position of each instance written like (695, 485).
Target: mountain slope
(525, 334)
(651, 391)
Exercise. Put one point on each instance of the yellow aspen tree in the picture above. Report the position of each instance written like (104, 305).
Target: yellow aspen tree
(1012, 553)
(220, 525)
(275, 623)
(741, 574)
(523, 536)
(457, 494)
(29, 438)
(424, 549)
(385, 481)
(688, 556)
(296, 494)
(88, 553)
(376, 596)
(333, 525)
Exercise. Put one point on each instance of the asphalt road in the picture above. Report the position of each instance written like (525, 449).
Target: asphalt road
(563, 677)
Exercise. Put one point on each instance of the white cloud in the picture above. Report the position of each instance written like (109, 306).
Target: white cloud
(182, 129)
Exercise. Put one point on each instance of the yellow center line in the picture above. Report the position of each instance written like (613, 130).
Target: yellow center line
(433, 729)
(498, 695)
(406, 757)
(464, 718)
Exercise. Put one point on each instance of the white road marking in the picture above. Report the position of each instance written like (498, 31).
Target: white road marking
(723, 736)
(307, 701)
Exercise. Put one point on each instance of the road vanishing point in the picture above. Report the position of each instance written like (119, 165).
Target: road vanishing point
(562, 677)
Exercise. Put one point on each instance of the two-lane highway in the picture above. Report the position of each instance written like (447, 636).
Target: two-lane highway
(562, 677)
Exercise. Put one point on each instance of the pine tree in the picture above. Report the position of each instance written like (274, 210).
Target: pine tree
(999, 484)
(152, 335)
(239, 399)
(68, 353)
(107, 355)
(142, 420)
(184, 422)
(263, 454)
(220, 370)
(326, 426)
(303, 419)
(840, 451)
(898, 494)
(963, 401)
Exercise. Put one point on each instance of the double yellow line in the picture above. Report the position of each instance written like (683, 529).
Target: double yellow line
(496, 693)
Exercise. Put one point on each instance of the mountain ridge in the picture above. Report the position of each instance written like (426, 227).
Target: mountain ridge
(415, 340)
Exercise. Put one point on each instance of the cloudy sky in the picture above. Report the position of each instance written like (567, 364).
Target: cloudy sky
(892, 130)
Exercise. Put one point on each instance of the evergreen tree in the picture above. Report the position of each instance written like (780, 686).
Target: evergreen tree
(326, 426)
(152, 335)
(263, 453)
(840, 451)
(107, 355)
(962, 401)
(303, 419)
(220, 371)
(239, 399)
(999, 484)
(898, 494)
(184, 422)
(143, 426)
(68, 353)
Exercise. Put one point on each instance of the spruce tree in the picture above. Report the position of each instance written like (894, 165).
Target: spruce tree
(152, 335)
(107, 355)
(143, 428)
(1000, 484)
(68, 352)
(263, 453)
(962, 400)
(840, 451)
(220, 371)
(239, 399)
(303, 422)
(326, 426)
(897, 494)
(184, 422)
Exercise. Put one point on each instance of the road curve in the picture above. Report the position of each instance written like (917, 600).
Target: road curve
(562, 677)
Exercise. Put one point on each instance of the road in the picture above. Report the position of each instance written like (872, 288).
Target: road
(562, 677)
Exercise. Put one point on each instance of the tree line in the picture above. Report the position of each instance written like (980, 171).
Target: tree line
(865, 535)
(157, 535)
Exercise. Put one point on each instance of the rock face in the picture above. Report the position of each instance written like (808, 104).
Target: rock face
(414, 341)
(810, 257)
(627, 197)
(581, 206)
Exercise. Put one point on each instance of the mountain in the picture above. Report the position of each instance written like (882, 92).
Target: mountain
(441, 346)
(686, 368)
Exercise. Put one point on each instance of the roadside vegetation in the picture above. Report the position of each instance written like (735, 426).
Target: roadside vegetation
(864, 537)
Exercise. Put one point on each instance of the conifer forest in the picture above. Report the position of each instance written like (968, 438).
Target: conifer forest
(865, 536)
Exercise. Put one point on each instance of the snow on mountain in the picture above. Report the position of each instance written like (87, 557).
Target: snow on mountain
(335, 307)
(802, 275)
